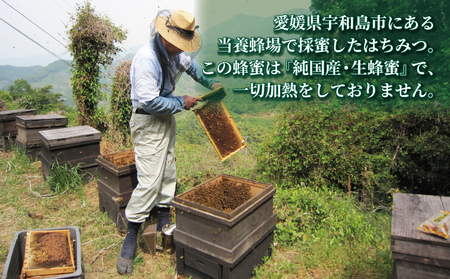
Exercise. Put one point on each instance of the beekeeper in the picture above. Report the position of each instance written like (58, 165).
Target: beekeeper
(155, 69)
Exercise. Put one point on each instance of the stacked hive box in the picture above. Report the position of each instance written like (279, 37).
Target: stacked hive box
(8, 127)
(216, 244)
(417, 254)
(28, 127)
(75, 145)
(116, 180)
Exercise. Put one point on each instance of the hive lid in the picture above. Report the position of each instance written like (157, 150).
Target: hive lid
(10, 115)
(69, 136)
(36, 121)
(220, 128)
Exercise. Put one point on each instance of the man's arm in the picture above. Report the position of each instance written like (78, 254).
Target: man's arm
(196, 72)
(170, 105)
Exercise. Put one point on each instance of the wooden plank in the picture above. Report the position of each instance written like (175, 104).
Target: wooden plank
(120, 199)
(220, 234)
(86, 153)
(6, 142)
(409, 212)
(8, 129)
(192, 262)
(41, 121)
(231, 256)
(115, 212)
(202, 264)
(120, 183)
(10, 115)
(421, 260)
(412, 270)
(426, 250)
(69, 136)
(30, 136)
(261, 192)
(446, 203)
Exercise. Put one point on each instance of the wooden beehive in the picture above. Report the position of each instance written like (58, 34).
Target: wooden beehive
(228, 243)
(417, 254)
(220, 128)
(28, 127)
(117, 178)
(8, 127)
(74, 145)
(118, 171)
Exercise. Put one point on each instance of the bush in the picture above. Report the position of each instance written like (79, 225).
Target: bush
(372, 151)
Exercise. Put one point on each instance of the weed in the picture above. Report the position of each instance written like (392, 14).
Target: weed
(65, 177)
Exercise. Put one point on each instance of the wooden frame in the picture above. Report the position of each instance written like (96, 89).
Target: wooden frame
(28, 271)
(234, 131)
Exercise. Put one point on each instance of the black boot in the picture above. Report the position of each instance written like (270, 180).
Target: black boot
(163, 217)
(126, 257)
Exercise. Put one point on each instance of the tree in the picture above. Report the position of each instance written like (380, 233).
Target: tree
(21, 95)
(42, 100)
(120, 101)
(92, 44)
(20, 88)
(5, 99)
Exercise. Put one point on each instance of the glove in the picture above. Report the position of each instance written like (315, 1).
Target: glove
(216, 85)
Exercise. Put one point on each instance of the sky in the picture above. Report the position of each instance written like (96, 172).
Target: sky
(31, 29)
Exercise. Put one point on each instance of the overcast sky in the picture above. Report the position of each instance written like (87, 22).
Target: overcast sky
(22, 16)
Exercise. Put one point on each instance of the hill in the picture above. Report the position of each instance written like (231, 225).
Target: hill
(58, 73)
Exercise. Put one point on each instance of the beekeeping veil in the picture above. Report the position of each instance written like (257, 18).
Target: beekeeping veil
(179, 29)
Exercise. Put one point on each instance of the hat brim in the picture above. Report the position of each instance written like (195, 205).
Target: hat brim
(175, 38)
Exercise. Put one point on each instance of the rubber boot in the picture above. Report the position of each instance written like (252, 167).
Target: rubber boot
(126, 256)
(163, 217)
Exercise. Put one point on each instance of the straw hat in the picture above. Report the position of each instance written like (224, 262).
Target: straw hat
(179, 30)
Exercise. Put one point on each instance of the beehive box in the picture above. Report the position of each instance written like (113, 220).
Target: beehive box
(114, 204)
(16, 255)
(224, 239)
(28, 127)
(415, 253)
(33, 151)
(8, 127)
(74, 145)
(220, 128)
(118, 171)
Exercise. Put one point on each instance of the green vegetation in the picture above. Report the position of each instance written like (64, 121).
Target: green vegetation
(22, 96)
(92, 44)
(120, 101)
(374, 151)
(65, 177)
(334, 164)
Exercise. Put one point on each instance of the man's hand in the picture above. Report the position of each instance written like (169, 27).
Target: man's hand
(190, 101)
